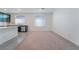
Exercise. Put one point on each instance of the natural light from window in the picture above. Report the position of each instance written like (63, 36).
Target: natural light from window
(20, 20)
(40, 21)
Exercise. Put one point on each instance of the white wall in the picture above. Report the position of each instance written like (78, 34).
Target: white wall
(66, 23)
(30, 17)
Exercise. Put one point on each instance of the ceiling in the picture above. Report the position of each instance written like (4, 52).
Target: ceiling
(27, 10)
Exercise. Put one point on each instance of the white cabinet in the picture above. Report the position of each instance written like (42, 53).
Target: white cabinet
(7, 33)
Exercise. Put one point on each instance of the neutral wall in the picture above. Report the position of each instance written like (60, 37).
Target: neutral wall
(66, 23)
(30, 17)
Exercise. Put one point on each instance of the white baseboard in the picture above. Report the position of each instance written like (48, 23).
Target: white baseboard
(67, 38)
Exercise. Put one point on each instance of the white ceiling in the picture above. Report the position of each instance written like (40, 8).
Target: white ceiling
(27, 10)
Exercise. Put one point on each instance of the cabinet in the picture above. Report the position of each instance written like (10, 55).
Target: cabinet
(7, 33)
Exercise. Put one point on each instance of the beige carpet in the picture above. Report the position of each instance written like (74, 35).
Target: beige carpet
(41, 41)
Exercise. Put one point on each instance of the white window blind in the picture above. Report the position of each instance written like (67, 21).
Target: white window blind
(20, 20)
(40, 21)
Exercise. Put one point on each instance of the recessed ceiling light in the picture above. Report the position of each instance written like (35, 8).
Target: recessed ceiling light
(42, 8)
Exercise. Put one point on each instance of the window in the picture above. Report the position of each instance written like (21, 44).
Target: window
(20, 20)
(40, 21)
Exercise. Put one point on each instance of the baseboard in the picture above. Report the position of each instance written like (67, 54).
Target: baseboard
(66, 38)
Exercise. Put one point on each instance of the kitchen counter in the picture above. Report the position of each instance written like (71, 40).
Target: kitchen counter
(8, 33)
